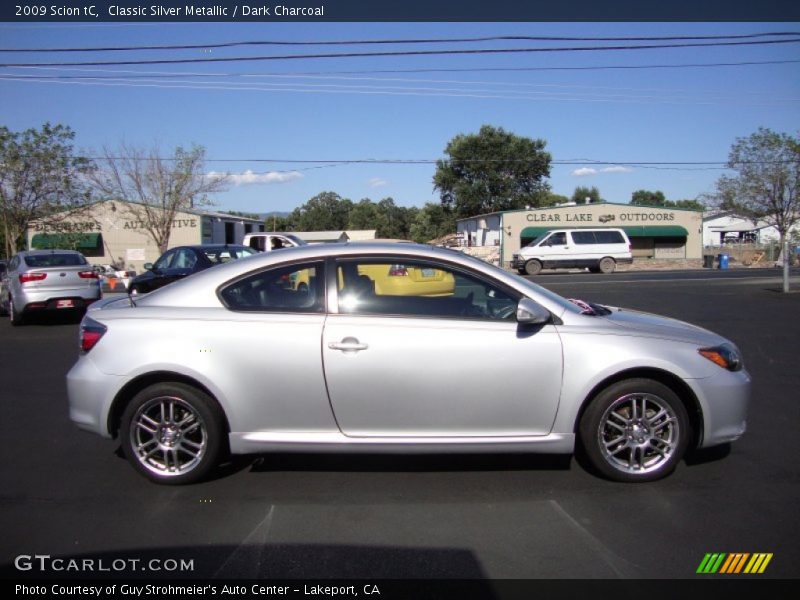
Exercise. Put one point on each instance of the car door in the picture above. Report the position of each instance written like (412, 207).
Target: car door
(269, 344)
(456, 364)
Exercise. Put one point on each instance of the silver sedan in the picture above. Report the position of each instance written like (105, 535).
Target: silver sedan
(47, 280)
(395, 348)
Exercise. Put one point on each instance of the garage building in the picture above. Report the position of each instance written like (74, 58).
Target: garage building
(113, 232)
(654, 232)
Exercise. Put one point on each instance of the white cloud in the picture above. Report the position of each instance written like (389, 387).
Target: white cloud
(377, 182)
(589, 171)
(251, 178)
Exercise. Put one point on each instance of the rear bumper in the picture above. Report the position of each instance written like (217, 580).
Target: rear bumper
(91, 394)
(33, 300)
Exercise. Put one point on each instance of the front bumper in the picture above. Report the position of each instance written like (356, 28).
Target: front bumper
(724, 400)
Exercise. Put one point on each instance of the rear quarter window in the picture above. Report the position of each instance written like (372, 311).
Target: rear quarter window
(609, 237)
(55, 260)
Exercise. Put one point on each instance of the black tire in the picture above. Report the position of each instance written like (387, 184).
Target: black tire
(14, 316)
(159, 448)
(635, 430)
(533, 267)
(594, 269)
(607, 265)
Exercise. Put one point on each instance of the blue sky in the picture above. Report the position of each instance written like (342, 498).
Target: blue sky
(277, 110)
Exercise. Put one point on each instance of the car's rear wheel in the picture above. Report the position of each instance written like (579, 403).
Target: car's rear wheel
(14, 315)
(635, 430)
(173, 433)
(533, 267)
(607, 265)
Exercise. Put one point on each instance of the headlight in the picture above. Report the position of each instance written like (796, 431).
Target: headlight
(725, 355)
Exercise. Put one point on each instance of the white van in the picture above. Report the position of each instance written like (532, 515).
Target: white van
(599, 250)
(265, 241)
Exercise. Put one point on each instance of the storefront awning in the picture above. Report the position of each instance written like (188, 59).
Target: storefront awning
(655, 231)
(65, 241)
(632, 231)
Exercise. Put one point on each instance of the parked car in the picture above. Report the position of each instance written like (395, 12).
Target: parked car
(395, 280)
(599, 250)
(179, 262)
(234, 359)
(46, 280)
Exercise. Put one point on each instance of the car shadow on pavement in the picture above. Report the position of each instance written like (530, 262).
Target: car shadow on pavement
(701, 456)
(408, 463)
(50, 319)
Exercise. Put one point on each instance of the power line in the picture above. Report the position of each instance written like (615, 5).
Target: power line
(372, 90)
(515, 38)
(470, 52)
(126, 75)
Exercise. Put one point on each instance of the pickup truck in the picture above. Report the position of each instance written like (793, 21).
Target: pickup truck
(268, 241)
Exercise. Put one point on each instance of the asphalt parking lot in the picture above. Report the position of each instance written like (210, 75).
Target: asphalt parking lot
(68, 493)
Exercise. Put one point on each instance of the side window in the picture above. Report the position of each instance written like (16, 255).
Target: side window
(610, 237)
(165, 261)
(419, 289)
(583, 237)
(558, 239)
(296, 288)
(184, 259)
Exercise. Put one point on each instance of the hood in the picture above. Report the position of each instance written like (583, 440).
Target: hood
(649, 325)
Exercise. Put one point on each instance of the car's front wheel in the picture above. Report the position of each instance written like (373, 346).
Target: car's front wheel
(533, 267)
(173, 433)
(635, 430)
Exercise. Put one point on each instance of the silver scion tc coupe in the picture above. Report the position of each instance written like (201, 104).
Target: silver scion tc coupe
(397, 348)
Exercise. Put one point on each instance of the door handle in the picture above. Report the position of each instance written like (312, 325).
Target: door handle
(348, 344)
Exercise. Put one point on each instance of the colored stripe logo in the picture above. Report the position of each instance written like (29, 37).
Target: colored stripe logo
(734, 563)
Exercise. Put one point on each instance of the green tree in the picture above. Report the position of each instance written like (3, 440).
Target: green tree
(154, 188)
(687, 204)
(364, 215)
(41, 179)
(648, 198)
(394, 221)
(551, 199)
(765, 187)
(431, 222)
(490, 171)
(580, 195)
(324, 212)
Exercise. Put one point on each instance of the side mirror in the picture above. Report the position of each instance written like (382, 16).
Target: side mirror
(530, 313)
(148, 266)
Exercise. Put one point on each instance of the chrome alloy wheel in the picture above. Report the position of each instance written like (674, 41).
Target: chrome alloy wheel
(168, 436)
(638, 433)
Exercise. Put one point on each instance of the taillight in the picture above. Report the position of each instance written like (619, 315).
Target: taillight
(90, 333)
(28, 277)
(398, 271)
(88, 275)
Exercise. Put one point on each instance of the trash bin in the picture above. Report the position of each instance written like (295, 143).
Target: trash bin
(708, 261)
(723, 261)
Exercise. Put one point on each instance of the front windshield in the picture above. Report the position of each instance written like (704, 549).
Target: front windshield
(297, 240)
(536, 240)
(537, 289)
